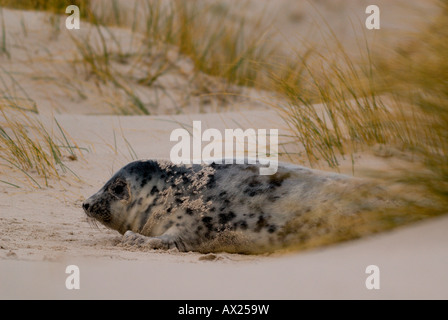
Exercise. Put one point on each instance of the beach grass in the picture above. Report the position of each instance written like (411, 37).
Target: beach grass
(336, 106)
(27, 145)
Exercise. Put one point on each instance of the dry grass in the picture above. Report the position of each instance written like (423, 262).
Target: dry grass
(418, 78)
(27, 146)
(333, 105)
(3, 47)
(337, 106)
(219, 44)
(53, 6)
(223, 55)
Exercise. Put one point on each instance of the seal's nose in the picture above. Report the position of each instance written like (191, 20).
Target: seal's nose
(85, 206)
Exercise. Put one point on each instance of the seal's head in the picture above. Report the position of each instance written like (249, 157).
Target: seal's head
(114, 205)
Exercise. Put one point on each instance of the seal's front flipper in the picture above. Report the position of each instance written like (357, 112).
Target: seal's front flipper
(163, 242)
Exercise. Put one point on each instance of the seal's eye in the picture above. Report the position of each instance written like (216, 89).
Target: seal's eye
(120, 190)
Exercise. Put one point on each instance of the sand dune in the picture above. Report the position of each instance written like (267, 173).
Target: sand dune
(44, 230)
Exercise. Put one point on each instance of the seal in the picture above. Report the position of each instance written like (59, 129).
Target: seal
(214, 207)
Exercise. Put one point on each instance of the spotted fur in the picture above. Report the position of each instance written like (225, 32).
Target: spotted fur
(213, 207)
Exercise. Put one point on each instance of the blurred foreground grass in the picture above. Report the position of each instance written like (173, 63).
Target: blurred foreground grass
(396, 99)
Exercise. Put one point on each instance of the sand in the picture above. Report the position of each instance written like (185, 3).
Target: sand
(408, 270)
(42, 231)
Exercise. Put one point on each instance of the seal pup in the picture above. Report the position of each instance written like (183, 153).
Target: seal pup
(222, 207)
